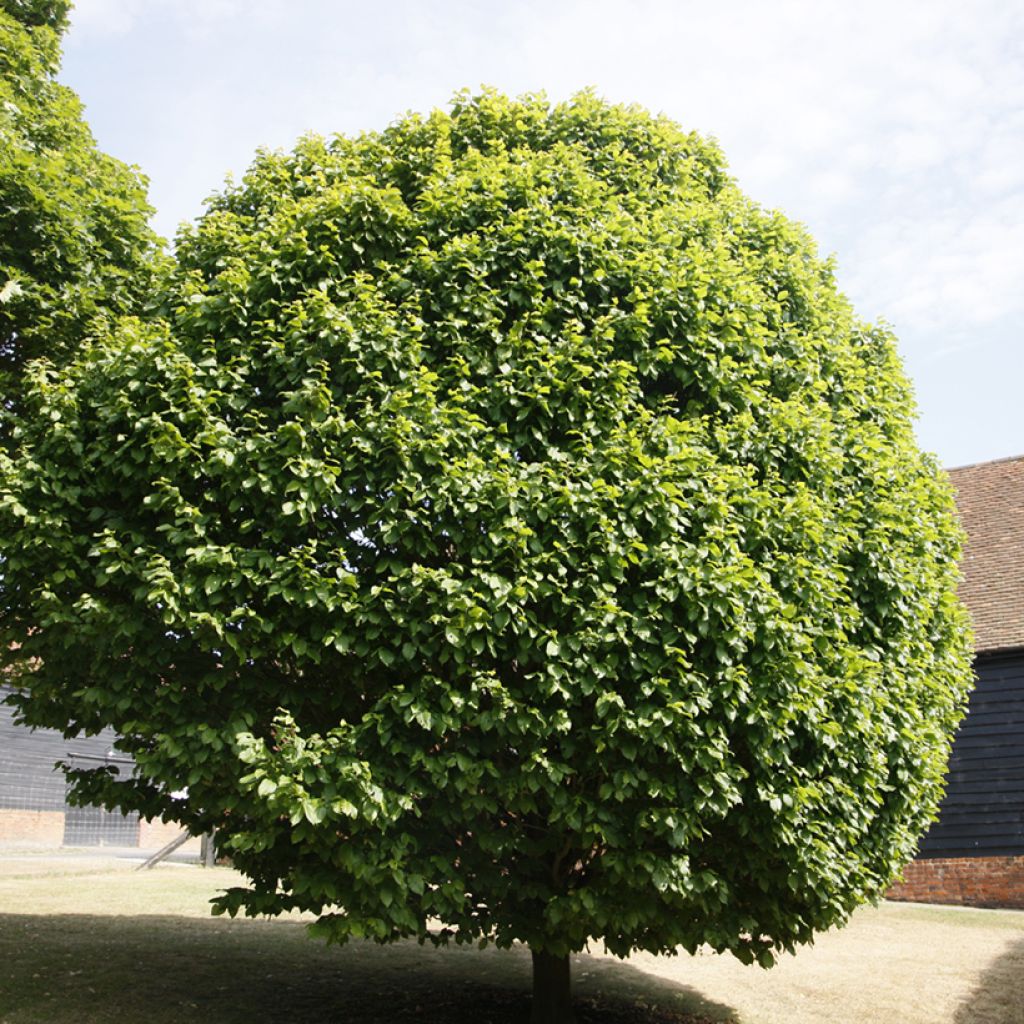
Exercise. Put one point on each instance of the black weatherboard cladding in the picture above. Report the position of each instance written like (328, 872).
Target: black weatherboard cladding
(983, 812)
(29, 781)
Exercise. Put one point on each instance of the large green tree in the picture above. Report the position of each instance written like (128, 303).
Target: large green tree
(74, 234)
(504, 522)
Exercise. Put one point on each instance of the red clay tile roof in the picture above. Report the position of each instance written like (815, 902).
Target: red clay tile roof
(990, 496)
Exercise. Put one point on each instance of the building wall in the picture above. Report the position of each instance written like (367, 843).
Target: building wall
(33, 808)
(974, 854)
(982, 814)
(967, 881)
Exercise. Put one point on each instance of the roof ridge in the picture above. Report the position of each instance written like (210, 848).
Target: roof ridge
(986, 462)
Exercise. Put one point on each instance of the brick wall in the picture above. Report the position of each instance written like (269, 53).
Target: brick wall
(969, 881)
(31, 828)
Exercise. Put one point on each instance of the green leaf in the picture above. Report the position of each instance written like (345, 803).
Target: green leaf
(497, 520)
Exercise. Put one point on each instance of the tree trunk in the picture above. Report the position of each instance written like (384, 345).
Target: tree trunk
(552, 990)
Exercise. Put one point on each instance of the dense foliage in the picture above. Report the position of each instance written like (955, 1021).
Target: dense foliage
(74, 238)
(505, 521)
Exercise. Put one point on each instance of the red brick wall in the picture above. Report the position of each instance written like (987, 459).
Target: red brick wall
(969, 881)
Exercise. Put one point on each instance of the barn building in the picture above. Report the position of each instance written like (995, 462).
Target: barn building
(974, 853)
(34, 812)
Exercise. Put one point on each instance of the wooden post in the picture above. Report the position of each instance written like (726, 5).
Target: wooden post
(208, 850)
(164, 851)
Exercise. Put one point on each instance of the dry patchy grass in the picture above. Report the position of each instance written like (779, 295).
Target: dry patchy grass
(87, 941)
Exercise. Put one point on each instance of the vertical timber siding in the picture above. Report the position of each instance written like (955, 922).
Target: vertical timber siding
(982, 814)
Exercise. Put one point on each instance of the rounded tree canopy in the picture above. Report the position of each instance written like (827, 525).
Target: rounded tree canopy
(504, 521)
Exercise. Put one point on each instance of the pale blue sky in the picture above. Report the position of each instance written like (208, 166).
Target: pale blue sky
(894, 130)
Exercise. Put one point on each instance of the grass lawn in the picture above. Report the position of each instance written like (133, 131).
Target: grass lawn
(90, 941)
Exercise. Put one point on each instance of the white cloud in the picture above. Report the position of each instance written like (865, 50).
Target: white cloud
(195, 17)
(106, 17)
(894, 130)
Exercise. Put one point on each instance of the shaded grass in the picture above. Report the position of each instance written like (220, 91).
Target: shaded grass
(112, 961)
(86, 969)
(999, 994)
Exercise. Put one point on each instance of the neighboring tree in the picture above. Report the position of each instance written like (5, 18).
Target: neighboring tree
(74, 235)
(506, 522)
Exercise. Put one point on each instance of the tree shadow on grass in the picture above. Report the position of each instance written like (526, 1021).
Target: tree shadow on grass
(91, 969)
(998, 998)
